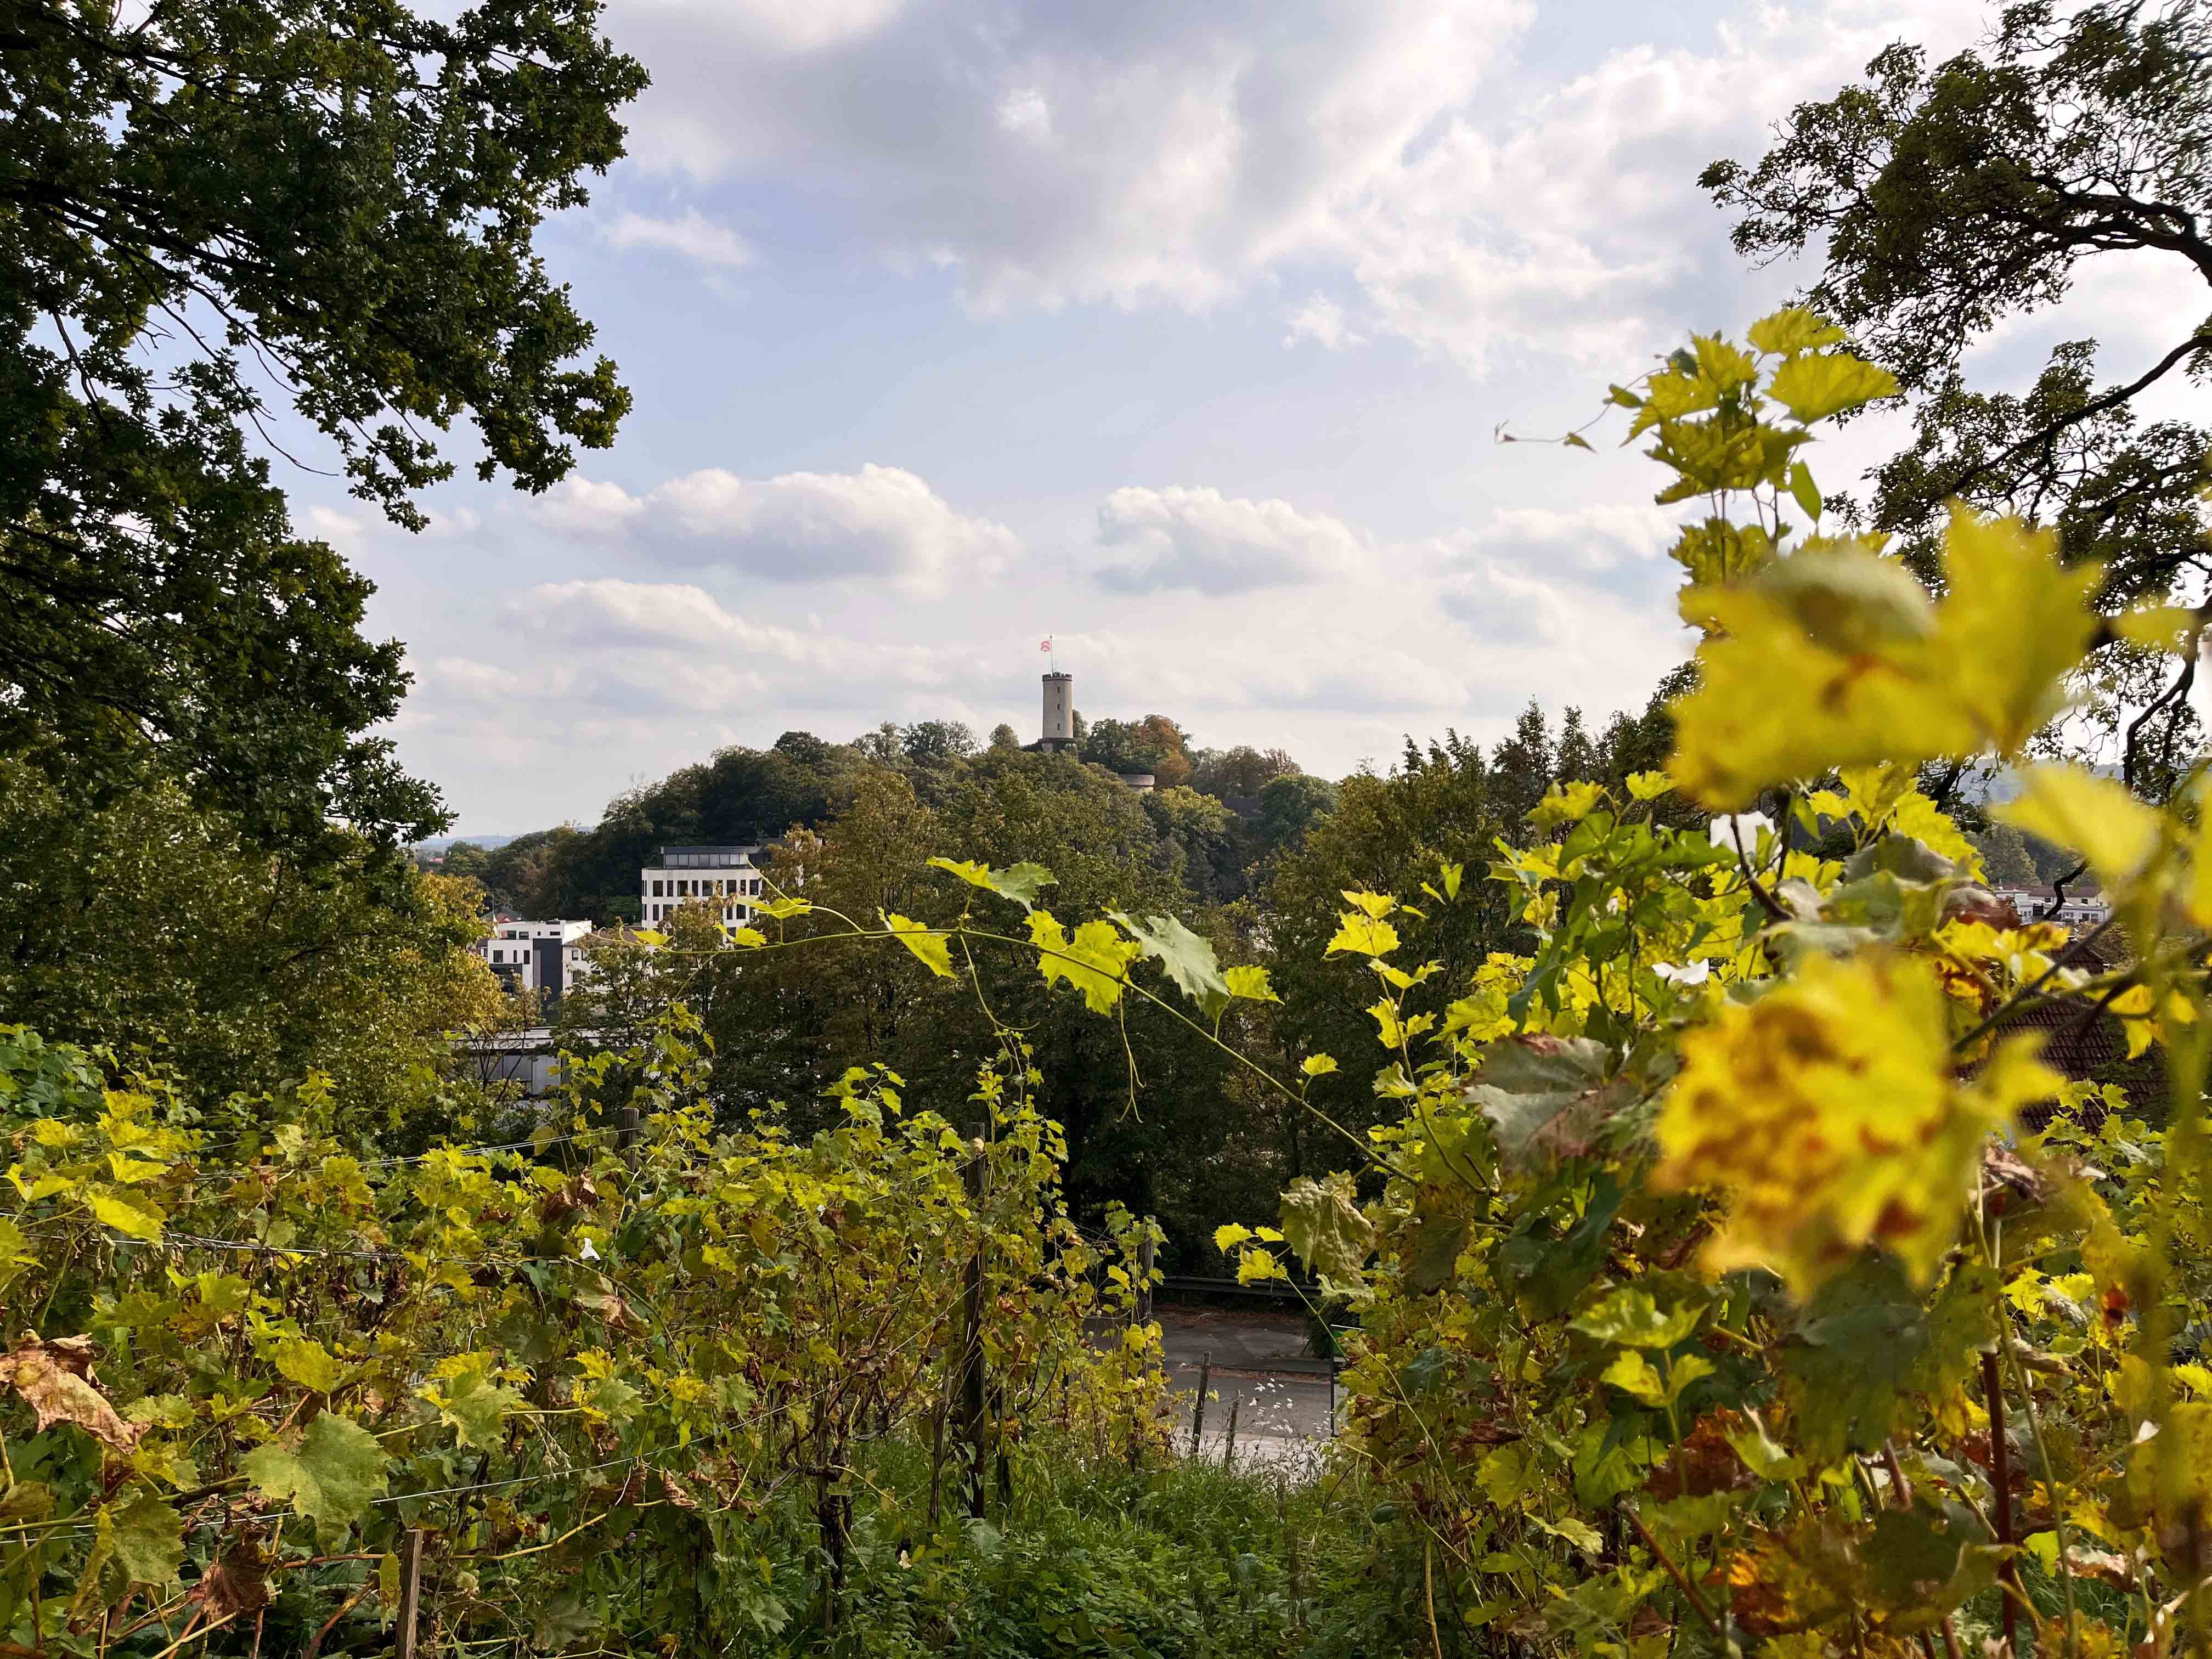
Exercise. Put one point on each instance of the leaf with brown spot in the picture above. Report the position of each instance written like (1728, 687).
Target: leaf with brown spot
(55, 1378)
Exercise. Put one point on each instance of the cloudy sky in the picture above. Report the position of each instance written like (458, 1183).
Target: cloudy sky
(1180, 333)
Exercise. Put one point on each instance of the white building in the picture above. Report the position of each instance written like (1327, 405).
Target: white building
(2076, 910)
(545, 957)
(725, 878)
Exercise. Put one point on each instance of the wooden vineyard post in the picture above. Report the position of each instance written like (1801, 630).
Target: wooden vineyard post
(971, 1360)
(626, 1135)
(1198, 1406)
(410, 1590)
(1229, 1448)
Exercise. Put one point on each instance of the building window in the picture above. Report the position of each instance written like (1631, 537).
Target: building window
(656, 889)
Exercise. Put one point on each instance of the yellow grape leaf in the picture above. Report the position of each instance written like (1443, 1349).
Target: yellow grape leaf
(1374, 904)
(1793, 331)
(1649, 786)
(1917, 816)
(1634, 1375)
(1565, 803)
(1773, 704)
(1369, 936)
(2132, 1008)
(927, 943)
(2014, 624)
(1095, 960)
(1826, 1117)
(124, 1217)
(1317, 1064)
(2094, 815)
(2161, 627)
(306, 1362)
(748, 938)
(1229, 1236)
(1814, 388)
(1249, 984)
(1827, 659)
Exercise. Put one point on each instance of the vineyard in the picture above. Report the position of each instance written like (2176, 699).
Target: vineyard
(1735, 1269)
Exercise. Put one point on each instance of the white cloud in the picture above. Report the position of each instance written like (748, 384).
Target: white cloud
(605, 648)
(1321, 321)
(1053, 153)
(693, 235)
(1593, 540)
(1200, 539)
(1151, 153)
(881, 522)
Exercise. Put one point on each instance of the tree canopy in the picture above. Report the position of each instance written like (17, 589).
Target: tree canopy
(1947, 198)
(221, 218)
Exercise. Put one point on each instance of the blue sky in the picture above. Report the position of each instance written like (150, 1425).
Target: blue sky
(1180, 333)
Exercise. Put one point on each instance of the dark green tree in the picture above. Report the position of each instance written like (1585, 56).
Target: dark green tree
(1522, 769)
(208, 210)
(154, 927)
(1947, 198)
(1290, 807)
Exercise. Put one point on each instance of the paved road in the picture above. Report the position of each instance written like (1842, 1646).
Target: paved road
(1260, 1364)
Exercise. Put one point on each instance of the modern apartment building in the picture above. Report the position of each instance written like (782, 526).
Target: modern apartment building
(544, 956)
(725, 878)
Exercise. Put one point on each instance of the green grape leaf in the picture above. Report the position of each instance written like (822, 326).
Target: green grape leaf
(1924, 1561)
(1188, 959)
(1544, 1095)
(474, 1406)
(1804, 491)
(1424, 1371)
(328, 1474)
(1021, 883)
(1630, 1317)
(927, 943)
(1430, 1256)
(148, 1539)
(1868, 1348)
(306, 1362)
(1321, 1221)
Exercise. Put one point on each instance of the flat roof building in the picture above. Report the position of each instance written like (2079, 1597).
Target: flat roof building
(725, 878)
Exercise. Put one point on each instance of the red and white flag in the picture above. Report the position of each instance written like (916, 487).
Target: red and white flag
(1045, 646)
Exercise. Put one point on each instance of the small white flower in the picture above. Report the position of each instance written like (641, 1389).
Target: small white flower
(588, 1253)
(1695, 973)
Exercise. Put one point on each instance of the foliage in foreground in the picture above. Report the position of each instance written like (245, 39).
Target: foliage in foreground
(602, 1375)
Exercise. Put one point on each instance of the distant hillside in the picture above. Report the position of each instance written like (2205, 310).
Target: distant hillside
(440, 843)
